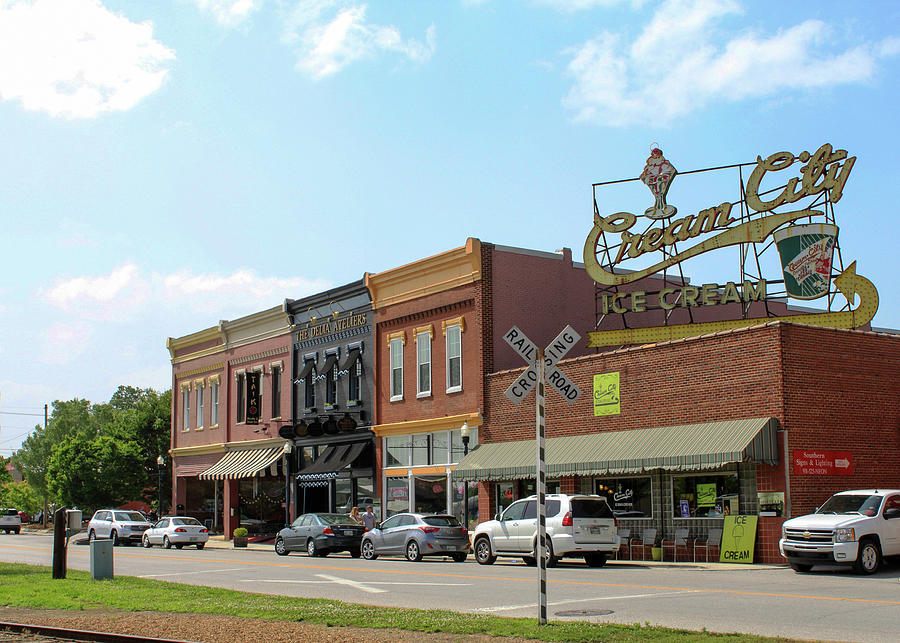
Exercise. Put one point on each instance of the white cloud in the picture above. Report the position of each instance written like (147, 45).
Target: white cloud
(104, 297)
(228, 12)
(64, 343)
(75, 58)
(331, 34)
(677, 65)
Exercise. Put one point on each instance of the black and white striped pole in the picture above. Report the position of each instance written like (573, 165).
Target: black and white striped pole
(534, 377)
(541, 484)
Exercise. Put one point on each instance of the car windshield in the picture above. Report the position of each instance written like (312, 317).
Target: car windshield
(337, 519)
(851, 504)
(129, 516)
(186, 521)
(10, 512)
(441, 521)
(590, 508)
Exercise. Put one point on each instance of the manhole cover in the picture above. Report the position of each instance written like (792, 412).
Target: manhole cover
(584, 613)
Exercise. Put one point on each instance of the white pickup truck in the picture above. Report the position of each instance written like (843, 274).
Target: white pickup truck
(854, 528)
(10, 521)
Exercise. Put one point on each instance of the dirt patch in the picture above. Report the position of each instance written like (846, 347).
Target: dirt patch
(211, 628)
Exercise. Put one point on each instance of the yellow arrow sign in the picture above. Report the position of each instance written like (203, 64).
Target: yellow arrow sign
(848, 282)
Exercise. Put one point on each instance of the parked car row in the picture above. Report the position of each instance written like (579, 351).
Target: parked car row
(131, 527)
(577, 526)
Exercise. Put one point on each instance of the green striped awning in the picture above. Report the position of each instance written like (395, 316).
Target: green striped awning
(676, 448)
(243, 464)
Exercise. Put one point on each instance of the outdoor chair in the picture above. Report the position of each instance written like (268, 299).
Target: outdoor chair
(713, 540)
(646, 542)
(680, 542)
(624, 543)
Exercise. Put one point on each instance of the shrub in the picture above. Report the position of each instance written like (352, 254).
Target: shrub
(240, 532)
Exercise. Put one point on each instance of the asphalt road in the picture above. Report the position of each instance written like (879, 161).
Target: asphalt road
(828, 604)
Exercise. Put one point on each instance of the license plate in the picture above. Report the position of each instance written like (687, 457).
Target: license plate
(348, 532)
(194, 539)
(597, 530)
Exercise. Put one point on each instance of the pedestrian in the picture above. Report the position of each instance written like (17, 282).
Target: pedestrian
(368, 519)
(354, 515)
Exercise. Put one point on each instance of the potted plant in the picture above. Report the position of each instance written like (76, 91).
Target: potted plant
(656, 550)
(240, 537)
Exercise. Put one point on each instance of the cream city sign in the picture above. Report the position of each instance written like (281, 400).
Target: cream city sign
(805, 238)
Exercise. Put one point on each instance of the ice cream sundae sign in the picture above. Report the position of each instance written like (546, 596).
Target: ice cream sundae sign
(805, 239)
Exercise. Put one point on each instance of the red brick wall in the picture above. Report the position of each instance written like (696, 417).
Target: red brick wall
(407, 316)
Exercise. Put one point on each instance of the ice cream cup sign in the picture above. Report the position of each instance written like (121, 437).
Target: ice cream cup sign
(806, 252)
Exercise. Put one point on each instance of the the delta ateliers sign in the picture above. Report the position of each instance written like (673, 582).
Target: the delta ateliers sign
(805, 250)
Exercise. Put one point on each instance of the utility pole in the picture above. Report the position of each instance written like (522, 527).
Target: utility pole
(44, 513)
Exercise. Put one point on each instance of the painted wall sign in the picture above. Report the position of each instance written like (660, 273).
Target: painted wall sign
(738, 539)
(606, 394)
(822, 463)
(805, 239)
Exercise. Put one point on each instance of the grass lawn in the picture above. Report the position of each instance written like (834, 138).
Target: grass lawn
(33, 587)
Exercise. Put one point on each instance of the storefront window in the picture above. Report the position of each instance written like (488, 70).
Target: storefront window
(459, 489)
(307, 456)
(421, 445)
(431, 494)
(504, 495)
(343, 494)
(440, 447)
(365, 495)
(527, 488)
(397, 496)
(627, 497)
(706, 496)
(397, 450)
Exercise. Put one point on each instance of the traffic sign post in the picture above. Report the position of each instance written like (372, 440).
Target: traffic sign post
(542, 369)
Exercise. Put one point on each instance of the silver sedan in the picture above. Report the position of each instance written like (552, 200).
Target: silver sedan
(178, 531)
(415, 536)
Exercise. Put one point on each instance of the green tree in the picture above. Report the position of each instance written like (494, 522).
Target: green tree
(94, 473)
(21, 496)
(5, 476)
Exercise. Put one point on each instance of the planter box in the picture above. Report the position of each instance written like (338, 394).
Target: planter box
(240, 541)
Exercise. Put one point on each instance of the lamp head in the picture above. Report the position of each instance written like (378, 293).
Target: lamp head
(465, 431)
(160, 460)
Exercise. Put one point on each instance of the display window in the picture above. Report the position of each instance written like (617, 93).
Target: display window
(627, 497)
(397, 496)
(705, 496)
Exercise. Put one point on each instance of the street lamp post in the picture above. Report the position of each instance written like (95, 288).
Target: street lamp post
(465, 432)
(160, 461)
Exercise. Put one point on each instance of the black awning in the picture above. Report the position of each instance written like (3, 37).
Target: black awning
(331, 461)
(352, 356)
(328, 365)
(308, 366)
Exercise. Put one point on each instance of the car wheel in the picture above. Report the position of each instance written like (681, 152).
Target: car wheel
(368, 550)
(483, 553)
(531, 561)
(412, 551)
(595, 559)
(311, 549)
(145, 541)
(179, 545)
(354, 553)
(92, 536)
(460, 557)
(551, 559)
(166, 543)
(200, 545)
(280, 547)
(868, 560)
(800, 568)
(114, 536)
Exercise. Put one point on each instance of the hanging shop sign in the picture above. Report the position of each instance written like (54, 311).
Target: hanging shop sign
(798, 214)
(822, 463)
(253, 398)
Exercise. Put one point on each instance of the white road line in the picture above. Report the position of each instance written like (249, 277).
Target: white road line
(205, 571)
(352, 583)
(504, 608)
(330, 579)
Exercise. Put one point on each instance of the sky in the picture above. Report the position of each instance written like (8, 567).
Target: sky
(167, 164)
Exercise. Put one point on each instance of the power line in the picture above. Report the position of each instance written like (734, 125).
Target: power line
(40, 415)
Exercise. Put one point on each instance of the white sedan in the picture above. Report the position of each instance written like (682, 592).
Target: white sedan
(178, 531)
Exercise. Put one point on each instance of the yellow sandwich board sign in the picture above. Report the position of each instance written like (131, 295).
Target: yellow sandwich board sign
(738, 539)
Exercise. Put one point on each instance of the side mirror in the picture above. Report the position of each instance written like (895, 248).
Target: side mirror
(498, 517)
(377, 525)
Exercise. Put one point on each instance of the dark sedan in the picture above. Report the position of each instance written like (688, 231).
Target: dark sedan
(417, 535)
(319, 534)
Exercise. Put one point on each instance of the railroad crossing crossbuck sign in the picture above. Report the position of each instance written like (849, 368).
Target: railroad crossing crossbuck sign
(542, 367)
(554, 352)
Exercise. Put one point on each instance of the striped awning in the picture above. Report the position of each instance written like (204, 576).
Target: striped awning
(689, 447)
(243, 464)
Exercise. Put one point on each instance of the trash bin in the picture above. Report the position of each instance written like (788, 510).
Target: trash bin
(101, 559)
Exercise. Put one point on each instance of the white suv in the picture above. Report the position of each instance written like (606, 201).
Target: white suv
(118, 525)
(577, 526)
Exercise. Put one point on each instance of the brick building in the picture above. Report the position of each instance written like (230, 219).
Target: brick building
(227, 471)
(706, 426)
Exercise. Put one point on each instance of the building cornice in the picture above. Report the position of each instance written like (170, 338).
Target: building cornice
(427, 276)
(224, 447)
(201, 336)
(428, 425)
